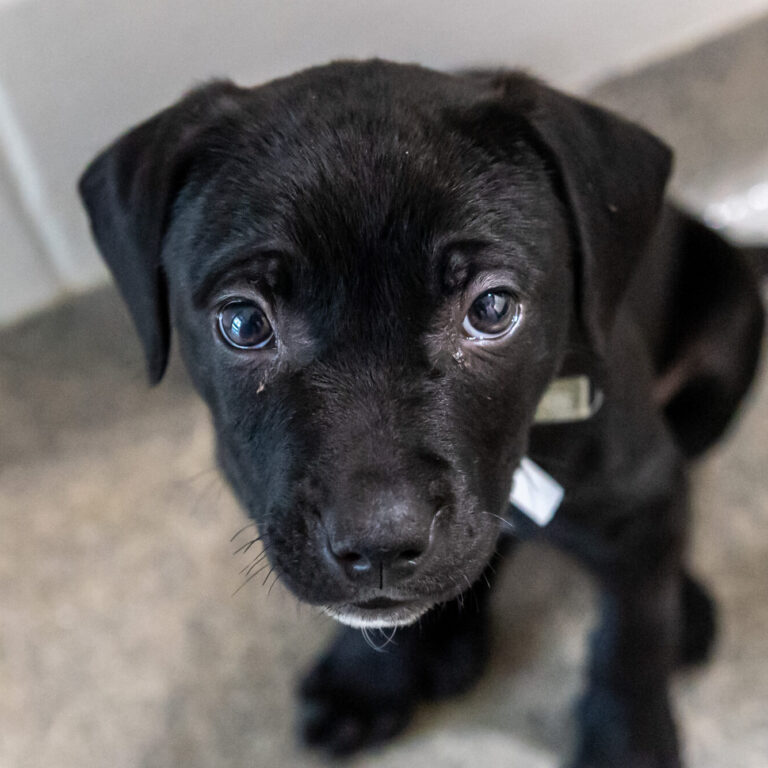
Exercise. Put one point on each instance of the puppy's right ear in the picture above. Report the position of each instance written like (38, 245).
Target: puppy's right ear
(129, 190)
(610, 174)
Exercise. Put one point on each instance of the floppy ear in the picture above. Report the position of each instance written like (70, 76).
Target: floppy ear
(129, 190)
(612, 175)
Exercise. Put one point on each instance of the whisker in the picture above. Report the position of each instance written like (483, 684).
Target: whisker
(244, 528)
(391, 638)
(499, 517)
(256, 560)
(272, 586)
(252, 576)
(262, 568)
(460, 597)
(472, 592)
(248, 544)
(455, 584)
(243, 547)
(370, 642)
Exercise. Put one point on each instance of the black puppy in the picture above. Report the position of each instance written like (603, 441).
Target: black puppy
(376, 273)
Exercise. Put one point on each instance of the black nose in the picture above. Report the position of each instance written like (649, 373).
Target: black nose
(383, 539)
(369, 564)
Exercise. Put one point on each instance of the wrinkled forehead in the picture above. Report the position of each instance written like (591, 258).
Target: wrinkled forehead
(364, 203)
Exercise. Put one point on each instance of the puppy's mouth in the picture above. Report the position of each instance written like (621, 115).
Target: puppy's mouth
(379, 603)
(378, 613)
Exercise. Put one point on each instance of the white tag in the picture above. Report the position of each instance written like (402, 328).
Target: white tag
(535, 493)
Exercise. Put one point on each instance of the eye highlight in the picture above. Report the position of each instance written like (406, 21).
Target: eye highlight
(244, 325)
(492, 314)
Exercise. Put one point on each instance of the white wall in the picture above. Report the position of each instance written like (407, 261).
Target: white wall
(74, 73)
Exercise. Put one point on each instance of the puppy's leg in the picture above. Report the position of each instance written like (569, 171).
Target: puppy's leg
(357, 696)
(626, 716)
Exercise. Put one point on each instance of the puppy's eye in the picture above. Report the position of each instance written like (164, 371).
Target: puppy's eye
(244, 325)
(492, 314)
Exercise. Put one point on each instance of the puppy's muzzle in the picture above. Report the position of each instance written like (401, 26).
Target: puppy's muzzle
(380, 543)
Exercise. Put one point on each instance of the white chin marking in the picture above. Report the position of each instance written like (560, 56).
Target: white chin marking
(360, 618)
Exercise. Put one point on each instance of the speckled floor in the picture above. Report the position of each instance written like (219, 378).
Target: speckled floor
(121, 643)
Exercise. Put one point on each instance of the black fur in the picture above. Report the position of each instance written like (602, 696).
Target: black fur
(363, 206)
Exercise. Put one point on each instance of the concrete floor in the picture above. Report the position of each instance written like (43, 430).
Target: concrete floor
(121, 643)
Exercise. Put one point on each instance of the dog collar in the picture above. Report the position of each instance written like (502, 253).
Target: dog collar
(569, 398)
(535, 493)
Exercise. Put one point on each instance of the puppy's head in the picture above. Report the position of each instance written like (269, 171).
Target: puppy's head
(374, 271)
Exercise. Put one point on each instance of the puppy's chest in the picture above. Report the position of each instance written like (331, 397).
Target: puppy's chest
(606, 468)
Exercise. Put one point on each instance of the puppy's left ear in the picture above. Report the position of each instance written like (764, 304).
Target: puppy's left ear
(129, 190)
(612, 175)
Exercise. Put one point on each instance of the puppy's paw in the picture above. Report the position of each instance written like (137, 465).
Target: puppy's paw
(356, 697)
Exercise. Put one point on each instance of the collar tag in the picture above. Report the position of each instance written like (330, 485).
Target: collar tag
(569, 398)
(535, 493)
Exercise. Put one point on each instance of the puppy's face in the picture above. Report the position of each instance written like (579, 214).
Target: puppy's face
(372, 307)
(370, 271)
